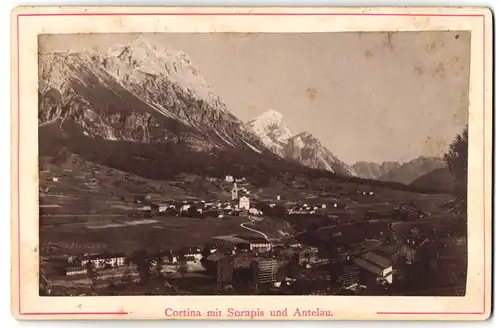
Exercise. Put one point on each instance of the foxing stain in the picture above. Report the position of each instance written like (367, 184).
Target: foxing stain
(311, 93)
(418, 70)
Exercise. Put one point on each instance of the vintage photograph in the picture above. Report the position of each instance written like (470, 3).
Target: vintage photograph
(253, 163)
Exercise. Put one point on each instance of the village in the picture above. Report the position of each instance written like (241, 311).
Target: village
(378, 260)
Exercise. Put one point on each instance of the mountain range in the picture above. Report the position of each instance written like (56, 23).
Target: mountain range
(142, 108)
(404, 173)
(410, 171)
(302, 148)
(372, 170)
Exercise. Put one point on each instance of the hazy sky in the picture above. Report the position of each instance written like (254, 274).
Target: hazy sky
(366, 96)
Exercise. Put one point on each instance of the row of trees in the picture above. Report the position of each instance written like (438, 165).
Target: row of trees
(456, 159)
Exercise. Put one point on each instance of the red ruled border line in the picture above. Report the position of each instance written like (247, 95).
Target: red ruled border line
(424, 313)
(74, 313)
(241, 14)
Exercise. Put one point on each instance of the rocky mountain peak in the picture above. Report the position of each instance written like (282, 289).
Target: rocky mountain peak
(303, 148)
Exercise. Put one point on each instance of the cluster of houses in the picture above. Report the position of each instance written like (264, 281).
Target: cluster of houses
(365, 193)
(78, 265)
(256, 259)
(243, 249)
(239, 204)
(313, 209)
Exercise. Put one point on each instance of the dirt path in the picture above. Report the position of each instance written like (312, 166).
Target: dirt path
(253, 230)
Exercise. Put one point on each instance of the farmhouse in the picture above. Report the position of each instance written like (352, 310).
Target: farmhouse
(229, 178)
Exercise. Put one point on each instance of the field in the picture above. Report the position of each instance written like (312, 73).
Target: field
(88, 208)
(76, 219)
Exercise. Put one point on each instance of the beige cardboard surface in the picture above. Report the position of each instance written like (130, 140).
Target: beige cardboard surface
(29, 22)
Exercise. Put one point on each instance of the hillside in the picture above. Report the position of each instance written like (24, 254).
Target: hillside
(439, 179)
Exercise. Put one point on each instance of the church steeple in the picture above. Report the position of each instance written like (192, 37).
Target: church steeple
(234, 192)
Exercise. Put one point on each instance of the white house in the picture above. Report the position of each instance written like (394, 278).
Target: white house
(74, 271)
(244, 203)
(102, 261)
(185, 208)
(260, 245)
(278, 197)
(193, 253)
(229, 178)
(162, 208)
(55, 179)
(254, 211)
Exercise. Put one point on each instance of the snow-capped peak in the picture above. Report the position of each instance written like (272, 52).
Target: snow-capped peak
(270, 116)
(140, 56)
(271, 129)
(303, 147)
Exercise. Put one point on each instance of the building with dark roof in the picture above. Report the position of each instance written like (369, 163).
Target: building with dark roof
(375, 268)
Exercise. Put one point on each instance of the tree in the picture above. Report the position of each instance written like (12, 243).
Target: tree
(92, 273)
(127, 277)
(456, 159)
(206, 251)
(141, 260)
(182, 267)
(159, 266)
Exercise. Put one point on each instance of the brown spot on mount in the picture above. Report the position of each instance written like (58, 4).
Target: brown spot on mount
(368, 53)
(430, 46)
(418, 70)
(311, 93)
(439, 70)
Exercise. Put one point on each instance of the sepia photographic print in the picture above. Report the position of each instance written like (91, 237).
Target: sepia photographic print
(258, 163)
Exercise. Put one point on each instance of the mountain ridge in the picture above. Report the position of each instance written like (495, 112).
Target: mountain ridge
(412, 170)
(302, 147)
(111, 95)
(373, 170)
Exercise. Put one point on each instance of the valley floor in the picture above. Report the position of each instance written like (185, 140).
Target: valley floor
(92, 209)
